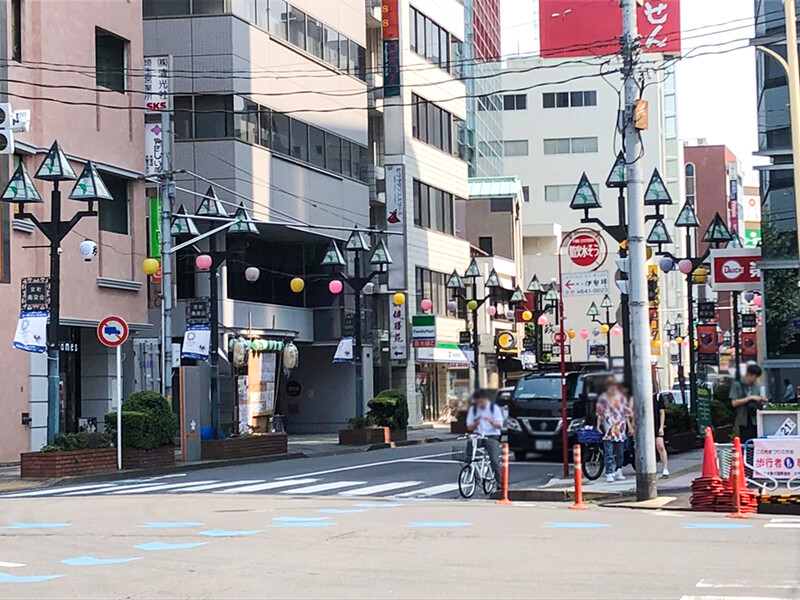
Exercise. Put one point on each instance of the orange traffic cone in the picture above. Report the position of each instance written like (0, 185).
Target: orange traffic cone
(737, 447)
(736, 496)
(710, 467)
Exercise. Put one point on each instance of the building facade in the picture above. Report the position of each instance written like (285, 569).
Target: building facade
(95, 116)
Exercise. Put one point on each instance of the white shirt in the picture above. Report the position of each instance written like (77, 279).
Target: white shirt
(485, 414)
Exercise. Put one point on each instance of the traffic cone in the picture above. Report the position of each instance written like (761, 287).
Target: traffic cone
(710, 467)
(737, 447)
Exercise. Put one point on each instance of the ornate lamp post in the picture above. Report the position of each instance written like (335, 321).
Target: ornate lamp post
(606, 326)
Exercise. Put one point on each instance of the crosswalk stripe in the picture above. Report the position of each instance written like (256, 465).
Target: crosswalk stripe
(107, 488)
(323, 487)
(214, 486)
(430, 491)
(54, 491)
(377, 489)
(728, 598)
(160, 487)
(783, 525)
(271, 485)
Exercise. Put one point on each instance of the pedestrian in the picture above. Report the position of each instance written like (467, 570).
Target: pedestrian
(613, 416)
(486, 418)
(746, 399)
(660, 415)
(789, 394)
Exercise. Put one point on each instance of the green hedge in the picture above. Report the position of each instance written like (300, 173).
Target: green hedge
(85, 440)
(678, 419)
(389, 409)
(147, 422)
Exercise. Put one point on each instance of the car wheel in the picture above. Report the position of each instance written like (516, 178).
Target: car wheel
(520, 455)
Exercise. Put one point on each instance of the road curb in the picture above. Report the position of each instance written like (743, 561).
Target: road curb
(559, 495)
(404, 444)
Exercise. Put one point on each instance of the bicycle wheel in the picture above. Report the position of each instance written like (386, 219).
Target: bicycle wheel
(593, 462)
(489, 483)
(467, 481)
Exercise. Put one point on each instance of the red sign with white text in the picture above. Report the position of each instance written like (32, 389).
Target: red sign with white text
(593, 27)
(390, 16)
(735, 270)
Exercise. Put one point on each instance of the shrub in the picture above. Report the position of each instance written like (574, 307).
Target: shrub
(85, 440)
(360, 422)
(678, 419)
(147, 422)
(722, 412)
(389, 409)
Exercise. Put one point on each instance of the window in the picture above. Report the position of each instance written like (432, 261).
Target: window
(265, 124)
(159, 8)
(332, 47)
(277, 19)
(113, 215)
(245, 120)
(208, 7)
(183, 121)
(297, 27)
(515, 102)
(347, 164)
(563, 193)
(526, 193)
(515, 147)
(431, 124)
(433, 208)
(567, 99)
(314, 29)
(16, 30)
(280, 133)
(585, 145)
(690, 183)
(109, 60)
(316, 145)
(485, 244)
(212, 117)
(429, 40)
(344, 53)
(299, 139)
(333, 152)
(358, 61)
(501, 205)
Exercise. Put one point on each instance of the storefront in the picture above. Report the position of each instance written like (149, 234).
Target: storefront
(442, 377)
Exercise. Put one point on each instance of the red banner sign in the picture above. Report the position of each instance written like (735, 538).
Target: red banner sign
(735, 270)
(707, 345)
(593, 27)
(390, 15)
(749, 344)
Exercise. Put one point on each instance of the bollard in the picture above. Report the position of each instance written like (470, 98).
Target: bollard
(576, 456)
(504, 499)
(736, 463)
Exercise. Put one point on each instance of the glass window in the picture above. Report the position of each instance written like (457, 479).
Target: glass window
(562, 99)
(183, 122)
(245, 120)
(333, 156)
(590, 98)
(436, 140)
(431, 41)
(508, 102)
(444, 50)
(262, 15)
(208, 7)
(584, 145)
(110, 60)
(113, 215)
(422, 109)
(417, 203)
(355, 164)
(277, 18)
(344, 53)
(420, 33)
(354, 66)
(299, 139)
(347, 164)
(159, 8)
(315, 37)
(265, 124)
(557, 146)
(448, 214)
(431, 110)
(548, 100)
(331, 47)
(246, 9)
(425, 211)
(518, 147)
(316, 147)
(213, 118)
(297, 27)
(485, 244)
(689, 170)
(526, 193)
(15, 23)
(437, 200)
(280, 133)
(360, 70)
(522, 101)
(412, 30)
(576, 98)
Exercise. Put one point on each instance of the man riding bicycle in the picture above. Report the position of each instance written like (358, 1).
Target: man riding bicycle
(486, 418)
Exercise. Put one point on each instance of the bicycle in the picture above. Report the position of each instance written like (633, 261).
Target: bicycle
(593, 453)
(476, 468)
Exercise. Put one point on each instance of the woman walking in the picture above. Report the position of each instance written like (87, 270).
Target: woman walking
(613, 414)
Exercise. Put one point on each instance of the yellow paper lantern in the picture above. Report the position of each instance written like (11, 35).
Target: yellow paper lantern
(399, 299)
(150, 266)
(472, 305)
(571, 334)
(649, 252)
(605, 328)
(700, 275)
(679, 339)
(297, 285)
(527, 315)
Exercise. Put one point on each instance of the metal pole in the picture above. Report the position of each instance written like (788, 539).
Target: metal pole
(793, 74)
(475, 338)
(692, 351)
(640, 338)
(623, 299)
(119, 407)
(53, 391)
(167, 197)
(213, 348)
(737, 344)
(357, 351)
(561, 341)
(608, 334)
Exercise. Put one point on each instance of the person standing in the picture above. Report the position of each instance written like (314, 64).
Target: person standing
(660, 413)
(746, 399)
(486, 418)
(789, 394)
(613, 415)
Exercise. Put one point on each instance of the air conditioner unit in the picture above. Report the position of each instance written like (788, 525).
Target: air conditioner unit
(6, 141)
(6, 115)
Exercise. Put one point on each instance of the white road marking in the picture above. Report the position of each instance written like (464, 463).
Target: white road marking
(729, 598)
(214, 486)
(271, 485)
(52, 491)
(8, 565)
(783, 525)
(366, 466)
(430, 491)
(777, 585)
(161, 487)
(323, 487)
(377, 489)
(107, 488)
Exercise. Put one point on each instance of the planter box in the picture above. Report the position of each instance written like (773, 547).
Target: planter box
(681, 442)
(133, 458)
(68, 464)
(245, 446)
(398, 435)
(365, 436)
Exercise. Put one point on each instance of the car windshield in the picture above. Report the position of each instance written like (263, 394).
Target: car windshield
(547, 388)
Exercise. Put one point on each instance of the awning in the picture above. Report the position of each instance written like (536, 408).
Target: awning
(451, 354)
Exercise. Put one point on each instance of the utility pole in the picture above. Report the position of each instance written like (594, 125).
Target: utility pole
(640, 332)
(167, 198)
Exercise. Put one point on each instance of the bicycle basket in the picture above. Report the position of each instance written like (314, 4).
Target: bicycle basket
(589, 436)
(461, 454)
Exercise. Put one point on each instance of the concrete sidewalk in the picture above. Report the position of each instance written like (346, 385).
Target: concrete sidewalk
(327, 444)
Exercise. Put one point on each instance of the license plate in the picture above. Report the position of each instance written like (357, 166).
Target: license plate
(544, 444)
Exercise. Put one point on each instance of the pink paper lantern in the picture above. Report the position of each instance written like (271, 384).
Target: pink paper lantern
(542, 320)
(685, 266)
(335, 286)
(758, 301)
(203, 262)
(584, 334)
(426, 304)
(617, 330)
(685, 342)
(491, 311)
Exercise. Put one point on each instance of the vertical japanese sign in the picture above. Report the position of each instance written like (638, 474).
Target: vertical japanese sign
(398, 346)
(156, 81)
(396, 224)
(390, 16)
(707, 345)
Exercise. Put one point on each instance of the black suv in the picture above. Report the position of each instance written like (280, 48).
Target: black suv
(534, 423)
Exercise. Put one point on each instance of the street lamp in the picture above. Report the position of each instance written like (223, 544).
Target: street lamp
(545, 300)
(379, 260)
(20, 191)
(456, 284)
(607, 325)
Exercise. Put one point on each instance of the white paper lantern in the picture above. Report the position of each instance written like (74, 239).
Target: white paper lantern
(252, 274)
(88, 250)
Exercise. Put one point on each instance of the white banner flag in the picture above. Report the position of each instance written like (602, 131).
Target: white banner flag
(344, 353)
(196, 342)
(31, 335)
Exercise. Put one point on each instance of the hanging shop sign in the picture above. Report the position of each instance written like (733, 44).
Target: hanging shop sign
(398, 344)
(749, 320)
(35, 293)
(196, 342)
(344, 351)
(198, 311)
(31, 334)
(735, 270)
(707, 345)
(707, 311)
(586, 283)
(423, 331)
(396, 225)
(586, 248)
(464, 338)
(749, 344)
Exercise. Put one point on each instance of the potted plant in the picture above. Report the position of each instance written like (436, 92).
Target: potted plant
(390, 409)
(71, 454)
(680, 429)
(148, 431)
(362, 432)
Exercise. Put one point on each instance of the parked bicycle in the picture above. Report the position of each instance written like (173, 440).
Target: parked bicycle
(477, 469)
(593, 455)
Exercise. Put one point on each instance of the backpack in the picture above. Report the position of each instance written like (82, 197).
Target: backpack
(474, 408)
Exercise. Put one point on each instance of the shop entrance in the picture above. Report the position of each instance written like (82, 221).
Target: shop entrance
(442, 388)
(69, 387)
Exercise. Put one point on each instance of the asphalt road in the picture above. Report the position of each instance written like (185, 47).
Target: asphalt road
(275, 546)
(425, 471)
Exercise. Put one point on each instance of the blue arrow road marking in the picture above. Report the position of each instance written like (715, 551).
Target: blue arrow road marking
(91, 561)
(229, 532)
(157, 546)
(172, 524)
(6, 578)
(35, 526)
(716, 526)
(575, 525)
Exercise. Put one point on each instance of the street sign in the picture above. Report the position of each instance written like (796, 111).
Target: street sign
(423, 331)
(748, 320)
(706, 311)
(584, 250)
(198, 311)
(112, 331)
(35, 293)
(464, 338)
(398, 345)
(735, 270)
(588, 283)
(155, 228)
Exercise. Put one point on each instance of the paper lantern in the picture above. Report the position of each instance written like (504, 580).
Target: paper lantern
(297, 285)
(748, 296)
(571, 334)
(667, 344)
(584, 334)
(685, 266)
(150, 266)
(451, 305)
(616, 330)
(426, 304)
(88, 250)
(758, 301)
(510, 314)
(399, 299)
(701, 275)
(666, 264)
(491, 311)
(527, 315)
(542, 320)
(472, 305)
(252, 274)
(685, 342)
(335, 286)
(203, 262)
(604, 328)
(657, 344)
(596, 331)
(369, 288)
